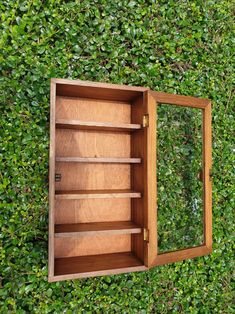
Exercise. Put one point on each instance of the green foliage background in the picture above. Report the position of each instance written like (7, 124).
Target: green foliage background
(184, 47)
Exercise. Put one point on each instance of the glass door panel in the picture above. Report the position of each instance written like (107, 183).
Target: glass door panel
(179, 143)
(179, 182)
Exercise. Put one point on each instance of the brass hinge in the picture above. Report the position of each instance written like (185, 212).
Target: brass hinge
(146, 235)
(145, 120)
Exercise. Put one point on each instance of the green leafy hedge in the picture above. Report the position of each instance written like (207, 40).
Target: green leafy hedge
(181, 47)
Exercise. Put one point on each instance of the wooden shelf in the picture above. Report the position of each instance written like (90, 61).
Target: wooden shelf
(95, 228)
(97, 126)
(94, 265)
(88, 194)
(99, 160)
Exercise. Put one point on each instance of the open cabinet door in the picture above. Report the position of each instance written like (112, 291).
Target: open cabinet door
(179, 219)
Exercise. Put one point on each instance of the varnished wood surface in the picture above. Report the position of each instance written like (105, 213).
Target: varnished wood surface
(87, 109)
(151, 213)
(51, 180)
(95, 262)
(92, 210)
(108, 272)
(154, 257)
(89, 266)
(207, 161)
(97, 90)
(93, 176)
(72, 194)
(180, 255)
(97, 126)
(180, 100)
(99, 160)
(93, 228)
(139, 174)
(92, 245)
(92, 144)
(97, 84)
(106, 159)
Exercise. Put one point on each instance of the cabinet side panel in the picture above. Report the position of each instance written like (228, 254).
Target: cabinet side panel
(51, 180)
(151, 215)
(138, 175)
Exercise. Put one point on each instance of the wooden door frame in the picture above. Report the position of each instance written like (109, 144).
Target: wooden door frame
(153, 257)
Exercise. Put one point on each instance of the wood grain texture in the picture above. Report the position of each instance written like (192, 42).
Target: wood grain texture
(95, 245)
(99, 160)
(180, 255)
(180, 100)
(207, 162)
(76, 176)
(92, 210)
(86, 109)
(51, 181)
(97, 90)
(120, 264)
(96, 228)
(96, 262)
(98, 273)
(151, 213)
(97, 126)
(92, 144)
(86, 194)
(98, 84)
(139, 174)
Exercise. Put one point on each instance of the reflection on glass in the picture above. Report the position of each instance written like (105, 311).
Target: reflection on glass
(180, 192)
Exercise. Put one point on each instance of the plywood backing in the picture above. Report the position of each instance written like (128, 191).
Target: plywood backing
(92, 210)
(77, 143)
(92, 110)
(65, 247)
(75, 176)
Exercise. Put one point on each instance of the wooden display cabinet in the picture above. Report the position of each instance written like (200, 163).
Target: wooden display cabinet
(102, 188)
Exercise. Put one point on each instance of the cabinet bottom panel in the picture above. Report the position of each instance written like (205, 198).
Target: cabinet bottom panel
(93, 265)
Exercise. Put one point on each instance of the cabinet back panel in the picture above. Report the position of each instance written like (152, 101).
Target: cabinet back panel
(92, 210)
(92, 110)
(92, 245)
(76, 176)
(77, 143)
